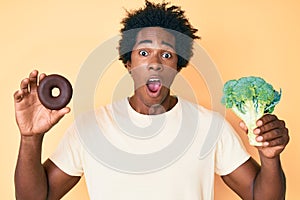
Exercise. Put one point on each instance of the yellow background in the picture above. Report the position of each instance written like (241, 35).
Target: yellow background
(242, 37)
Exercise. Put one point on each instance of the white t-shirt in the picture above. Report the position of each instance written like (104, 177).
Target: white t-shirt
(121, 158)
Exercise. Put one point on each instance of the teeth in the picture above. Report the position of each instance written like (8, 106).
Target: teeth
(154, 80)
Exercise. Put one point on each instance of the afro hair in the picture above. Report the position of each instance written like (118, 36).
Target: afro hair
(171, 18)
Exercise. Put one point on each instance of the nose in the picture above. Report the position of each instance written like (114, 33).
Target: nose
(155, 64)
(155, 67)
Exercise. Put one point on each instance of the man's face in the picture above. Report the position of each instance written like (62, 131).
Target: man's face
(153, 64)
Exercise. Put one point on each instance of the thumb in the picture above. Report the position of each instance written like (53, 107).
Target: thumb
(58, 114)
(243, 126)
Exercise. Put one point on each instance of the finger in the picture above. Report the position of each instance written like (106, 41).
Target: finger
(24, 85)
(64, 111)
(265, 119)
(276, 137)
(33, 80)
(243, 126)
(275, 133)
(280, 142)
(269, 126)
(60, 113)
(18, 96)
(42, 76)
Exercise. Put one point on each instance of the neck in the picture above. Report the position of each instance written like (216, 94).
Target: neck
(154, 109)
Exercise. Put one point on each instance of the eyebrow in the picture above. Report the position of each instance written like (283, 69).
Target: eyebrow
(168, 44)
(163, 42)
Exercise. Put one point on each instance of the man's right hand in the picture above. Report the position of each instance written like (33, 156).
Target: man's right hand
(31, 116)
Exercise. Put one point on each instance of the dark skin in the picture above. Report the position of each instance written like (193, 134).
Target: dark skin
(266, 181)
(34, 180)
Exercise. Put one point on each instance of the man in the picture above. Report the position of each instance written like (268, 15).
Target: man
(153, 57)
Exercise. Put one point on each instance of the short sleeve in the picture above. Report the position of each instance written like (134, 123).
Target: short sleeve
(67, 155)
(230, 152)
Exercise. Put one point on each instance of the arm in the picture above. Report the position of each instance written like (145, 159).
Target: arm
(30, 176)
(32, 179)
(272, 175)
(59, 183)
(251, 181)
(36, 181)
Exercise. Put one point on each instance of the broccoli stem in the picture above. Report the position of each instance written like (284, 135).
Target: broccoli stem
(250, 116)
(252, 136)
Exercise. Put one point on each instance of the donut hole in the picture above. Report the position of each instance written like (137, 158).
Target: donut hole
(55, 92)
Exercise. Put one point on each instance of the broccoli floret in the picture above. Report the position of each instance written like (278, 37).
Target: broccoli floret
(249, 98)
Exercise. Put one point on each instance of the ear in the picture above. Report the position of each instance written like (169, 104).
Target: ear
(128, 66)
(179, 69)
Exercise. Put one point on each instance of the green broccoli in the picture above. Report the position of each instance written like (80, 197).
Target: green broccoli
(249, 98)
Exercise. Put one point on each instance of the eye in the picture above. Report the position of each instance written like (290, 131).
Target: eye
(143, 53)
(166, 55)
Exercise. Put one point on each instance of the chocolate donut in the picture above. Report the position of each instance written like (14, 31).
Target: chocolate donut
(46, 86)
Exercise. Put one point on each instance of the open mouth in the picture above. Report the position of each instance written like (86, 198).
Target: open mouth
(154, 85)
